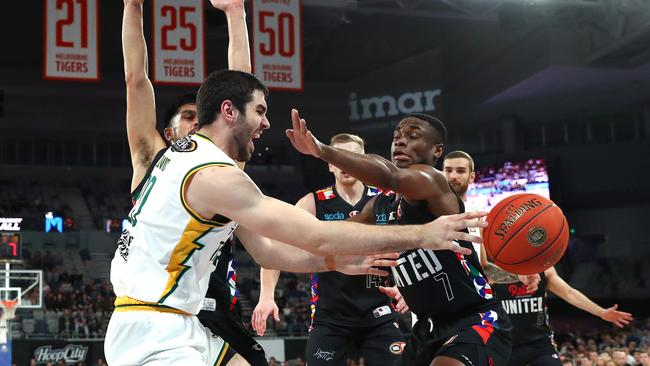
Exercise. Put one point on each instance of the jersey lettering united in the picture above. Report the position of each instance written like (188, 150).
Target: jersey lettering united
(166, 252)
(437, 284)
(528, 310)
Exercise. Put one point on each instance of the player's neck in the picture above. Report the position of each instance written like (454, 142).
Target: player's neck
(222, 139)
(350, 193)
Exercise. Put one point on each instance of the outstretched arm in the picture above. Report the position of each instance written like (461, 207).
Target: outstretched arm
(268, 217)
(239, 56)
(418, 182)
(144, 139)
(576, 298)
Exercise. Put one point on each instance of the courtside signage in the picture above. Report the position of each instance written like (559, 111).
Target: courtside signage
(277, 43)
(179, 42)
(71, 40)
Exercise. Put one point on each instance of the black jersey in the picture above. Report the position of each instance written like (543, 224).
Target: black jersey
(528, 310)
(221, 297)
(441, 285)
(339, 298)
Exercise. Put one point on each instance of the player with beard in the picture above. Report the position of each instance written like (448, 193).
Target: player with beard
(196, 198)
(458, 167)
(147, 147)
(346, 311)
(460, 322)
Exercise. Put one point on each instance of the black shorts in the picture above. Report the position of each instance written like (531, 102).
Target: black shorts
(541, 352)
(330, 344)
(239, 340)
(478, 340)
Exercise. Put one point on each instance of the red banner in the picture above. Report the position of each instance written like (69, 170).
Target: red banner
(179, 42)
(277, 43)
(71, 40)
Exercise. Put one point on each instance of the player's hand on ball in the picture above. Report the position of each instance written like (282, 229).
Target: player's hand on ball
(393, 293)
(226, 5)
(531, 281)
(301, 138)
(618, 318)
(444, 232)
(264, 309)
(365, 264)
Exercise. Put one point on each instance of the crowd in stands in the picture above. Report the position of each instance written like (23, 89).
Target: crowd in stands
(594, 346)
(74, 305)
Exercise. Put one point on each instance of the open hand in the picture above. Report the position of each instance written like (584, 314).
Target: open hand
(301, 138)
(444, 232)
(264, 309)
(618, 318)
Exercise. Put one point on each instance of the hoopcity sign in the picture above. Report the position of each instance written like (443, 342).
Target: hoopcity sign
(390, 106)
(71, 353)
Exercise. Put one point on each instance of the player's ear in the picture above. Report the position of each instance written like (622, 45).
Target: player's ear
(229, 111)
(330, 167)
(169, 134)
(472, 176)
(438, 150)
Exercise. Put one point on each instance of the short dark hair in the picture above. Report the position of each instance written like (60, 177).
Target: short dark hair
(437, 125)
(222, 85)
(458, 154)
(173, 109)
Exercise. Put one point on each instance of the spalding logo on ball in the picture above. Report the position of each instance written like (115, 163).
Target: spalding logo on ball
(526, 234)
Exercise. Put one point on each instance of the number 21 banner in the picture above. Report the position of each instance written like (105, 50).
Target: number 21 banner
(178, 38)
(277, 43)
(71, 40)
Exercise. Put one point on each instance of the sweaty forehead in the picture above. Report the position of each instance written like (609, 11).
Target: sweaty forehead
(412, 123)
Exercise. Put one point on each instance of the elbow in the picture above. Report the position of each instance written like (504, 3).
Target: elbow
(317, 243)
(135, 80)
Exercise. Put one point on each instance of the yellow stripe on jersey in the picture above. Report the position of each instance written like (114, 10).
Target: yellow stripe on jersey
(186, 246)
(125, 303)
(222, 354)
(189, 174)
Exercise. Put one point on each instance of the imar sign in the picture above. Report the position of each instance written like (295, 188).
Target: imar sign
(390, 106)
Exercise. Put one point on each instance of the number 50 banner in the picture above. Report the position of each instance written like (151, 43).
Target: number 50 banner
(277, 43)
(71, 40)
(178, 38)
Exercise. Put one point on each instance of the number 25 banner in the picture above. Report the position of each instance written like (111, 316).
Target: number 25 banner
(71, 40)
(179, 42)
(277, 43)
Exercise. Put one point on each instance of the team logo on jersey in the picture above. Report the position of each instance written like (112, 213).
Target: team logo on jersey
(483, 288)
(537, 236)
(487, 325)
(325, 194)
(186, 144)
(397, 348)
(373, 191)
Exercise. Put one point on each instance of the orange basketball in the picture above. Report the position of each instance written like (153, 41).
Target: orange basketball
(526, 234)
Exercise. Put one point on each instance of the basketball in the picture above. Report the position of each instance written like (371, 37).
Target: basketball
(526, 234)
